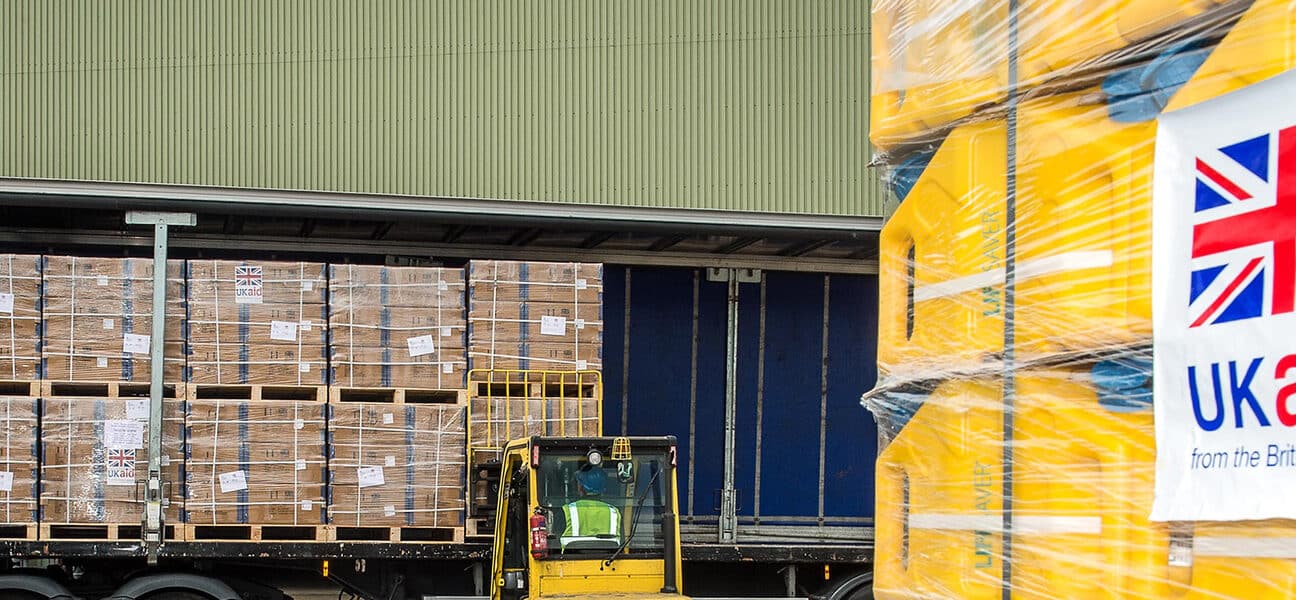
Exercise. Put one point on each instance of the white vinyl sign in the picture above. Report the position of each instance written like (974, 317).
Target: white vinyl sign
(1224, 297)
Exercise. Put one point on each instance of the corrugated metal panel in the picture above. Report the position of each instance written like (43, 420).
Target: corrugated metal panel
(755, 105)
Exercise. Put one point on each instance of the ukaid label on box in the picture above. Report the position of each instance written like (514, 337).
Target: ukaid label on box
(1224, 297)
(248, 285)
(119, 466)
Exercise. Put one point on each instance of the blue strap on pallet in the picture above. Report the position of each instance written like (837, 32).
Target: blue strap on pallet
(244, 457)
(128, 321)
(384, 331)
(410, 426)
(245, 315)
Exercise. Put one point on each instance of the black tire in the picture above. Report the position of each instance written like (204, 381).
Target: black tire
(177, 596)
(854, 587)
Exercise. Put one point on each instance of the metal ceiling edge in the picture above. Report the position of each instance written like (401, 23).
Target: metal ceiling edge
(56, 237)
(120, 195)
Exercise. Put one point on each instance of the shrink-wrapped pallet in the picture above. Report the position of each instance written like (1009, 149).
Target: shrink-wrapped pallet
(255, 462)
(397, 327)
(535, 316)
(1022, 454)
(20, 314)
(97, 319)
(94, 459)
(18, 459)
(397, 464)
(257, 322)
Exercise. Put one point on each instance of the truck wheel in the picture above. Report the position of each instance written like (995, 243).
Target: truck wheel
(176, 596)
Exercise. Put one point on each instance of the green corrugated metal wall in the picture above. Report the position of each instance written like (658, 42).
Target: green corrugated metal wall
(755, 105)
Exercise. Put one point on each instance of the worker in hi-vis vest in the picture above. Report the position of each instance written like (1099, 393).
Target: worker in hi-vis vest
(590, 518)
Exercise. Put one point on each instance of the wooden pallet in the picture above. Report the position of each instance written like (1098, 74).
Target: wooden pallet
(106, 389)
(20, 389)
(256, 533)
(404, 534)
(397, 395)
(19, 531)
(498, 389)
(477, 528)
(88, 532)
(255, 391)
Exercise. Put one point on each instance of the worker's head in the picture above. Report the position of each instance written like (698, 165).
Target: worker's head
(592, 480)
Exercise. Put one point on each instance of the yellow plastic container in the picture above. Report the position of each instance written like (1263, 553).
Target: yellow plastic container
(935, 62)
(1083, 247)
(1082, 488)
(1262, 44)
(1083, 484)
(1252, 559)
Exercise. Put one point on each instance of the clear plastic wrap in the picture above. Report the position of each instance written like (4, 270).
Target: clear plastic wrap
(397, 327)
(260, 322)
(94, 459)
(1041, 485)
(535, 315)
(18, 459)
(396, 464)
(20, 314)
(255, 462)
(97, 319)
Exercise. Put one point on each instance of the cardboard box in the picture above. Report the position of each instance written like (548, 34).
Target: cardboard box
(415, 287)
(370, 325)
(493, 422)
(397, 465)
(272, 456)
(94, 459)
(234, 282)
(517, 281)
(257, 322)
(20, 278)
(18, 458)
(97, 319)
(525, 355)
(543, 322)
(386, 367)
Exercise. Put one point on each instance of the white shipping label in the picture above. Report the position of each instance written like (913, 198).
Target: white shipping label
(581, 284)
(391, 461)
(307, 504)
(6, 304)
(421, 345)
(442, 286)
(581, 365)
(248, 288)
(447, 367)
(299, 423)
(370, 476)
(446, 331)
(306, 325)
(6, 481)
(108, 324)
(284, 331)
(388, 419)
(165, 460)
(135, 343)
(101, 362)
(308, 286)
(102, 280)
(233, 481)
(303, 367)
(553, 325)
(578, 323)
(123, 435)
(301, 464)
(137, 410)
(389, 511)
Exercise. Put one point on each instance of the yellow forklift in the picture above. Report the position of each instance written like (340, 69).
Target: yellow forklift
(587, 517)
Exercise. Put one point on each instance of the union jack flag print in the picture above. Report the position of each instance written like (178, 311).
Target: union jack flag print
(118, 458)
(247, 284)
(1244, 231)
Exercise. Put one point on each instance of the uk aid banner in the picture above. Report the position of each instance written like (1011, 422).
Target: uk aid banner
(1224, 297)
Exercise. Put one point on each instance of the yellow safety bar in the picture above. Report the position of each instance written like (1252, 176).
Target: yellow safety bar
(506, 404)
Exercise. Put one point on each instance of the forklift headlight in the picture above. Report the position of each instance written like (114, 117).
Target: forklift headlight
(595, 458)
